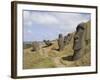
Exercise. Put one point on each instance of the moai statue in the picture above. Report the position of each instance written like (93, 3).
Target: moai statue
(61, 42)
(35, 46)
(78, 45)
(87, 32)
(67, 39)
(47, 42)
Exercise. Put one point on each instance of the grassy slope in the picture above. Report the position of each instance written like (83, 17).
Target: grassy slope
(49, 57)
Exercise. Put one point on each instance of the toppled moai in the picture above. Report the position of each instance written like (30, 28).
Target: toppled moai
(47, 42)
(67, 39)
(60, 42)
(35, 46)
(78, 45)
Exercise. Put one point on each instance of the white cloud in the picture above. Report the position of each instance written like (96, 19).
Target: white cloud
(72, 18)
(43, 18)
(40, 18)
(69, 21)
(51, 19)
(53, 23)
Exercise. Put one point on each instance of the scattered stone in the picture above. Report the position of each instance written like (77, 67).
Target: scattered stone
(35, 46)
(47, 42)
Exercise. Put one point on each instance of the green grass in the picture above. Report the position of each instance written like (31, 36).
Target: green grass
(35, 60)
(45, 58)
(44, 63)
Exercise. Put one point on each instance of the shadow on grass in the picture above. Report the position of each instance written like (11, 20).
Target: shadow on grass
(33, 50)
(56, 49)
(47, 46)
(68, 58)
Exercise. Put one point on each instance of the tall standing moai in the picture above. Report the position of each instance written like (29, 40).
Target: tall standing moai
(35, 46)
(78, 45)
(67, 39)
(60, 42)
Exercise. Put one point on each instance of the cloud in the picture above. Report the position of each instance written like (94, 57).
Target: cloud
(72, 19)
(54, 18)
(43, 18)
(39, 18)
(50, 24)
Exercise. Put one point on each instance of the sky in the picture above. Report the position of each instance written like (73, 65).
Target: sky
(47, 25)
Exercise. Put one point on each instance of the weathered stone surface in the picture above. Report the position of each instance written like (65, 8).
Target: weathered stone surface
(78, 45)
(35, 46)
(88, 32)
(81, 39)
(77, 54)
(60, 42)
(47, 42)
(67, 39)
(78, 38)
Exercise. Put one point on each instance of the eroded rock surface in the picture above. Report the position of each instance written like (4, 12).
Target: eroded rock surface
(60, 42)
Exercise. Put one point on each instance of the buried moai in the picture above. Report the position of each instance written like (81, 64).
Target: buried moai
(35, 46)
(47, 42)
(78, 45)
(67, 39)
(61, 42)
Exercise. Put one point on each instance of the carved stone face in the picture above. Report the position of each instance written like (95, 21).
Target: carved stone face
(78, 41)
(78, 37)
(67, 39)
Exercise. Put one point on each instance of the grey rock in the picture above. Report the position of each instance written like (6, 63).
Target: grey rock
(79, 41)
(60, 42)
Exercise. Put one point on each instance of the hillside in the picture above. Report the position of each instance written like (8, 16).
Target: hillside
(51, 57)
